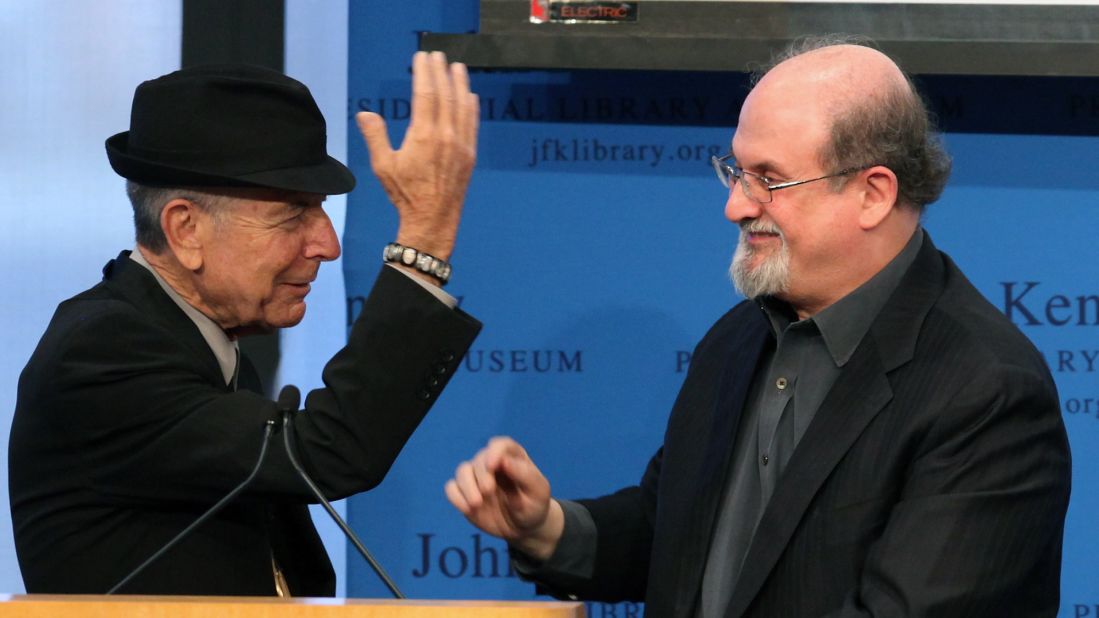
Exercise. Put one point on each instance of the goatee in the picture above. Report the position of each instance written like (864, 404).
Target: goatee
(771, 276)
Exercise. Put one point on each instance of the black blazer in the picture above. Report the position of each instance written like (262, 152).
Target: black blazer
(124, 432)
(933, 481)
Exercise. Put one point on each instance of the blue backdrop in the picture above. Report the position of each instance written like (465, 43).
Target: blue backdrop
(595, 250)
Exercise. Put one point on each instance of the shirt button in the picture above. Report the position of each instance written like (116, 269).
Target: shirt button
(781, 384)
(765, 459)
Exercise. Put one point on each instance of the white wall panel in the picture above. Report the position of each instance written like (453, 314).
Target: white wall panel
(68, 69)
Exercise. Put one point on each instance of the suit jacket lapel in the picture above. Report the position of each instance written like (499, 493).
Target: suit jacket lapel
(138, 286)
(247, 376)
(860, 392)
(742, 357)
(740, 365)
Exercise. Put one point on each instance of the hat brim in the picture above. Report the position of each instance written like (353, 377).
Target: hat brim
(329, 177)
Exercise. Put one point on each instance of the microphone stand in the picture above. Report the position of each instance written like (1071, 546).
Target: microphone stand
(288, 428)
(269, 429)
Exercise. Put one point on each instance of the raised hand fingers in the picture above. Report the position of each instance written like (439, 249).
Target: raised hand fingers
(467, 112)
(441, 99)
(373, 130)
(459, 80)
(425, 98)
(444, 87)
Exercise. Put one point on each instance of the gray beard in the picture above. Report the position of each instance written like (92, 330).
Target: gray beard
(769, 278)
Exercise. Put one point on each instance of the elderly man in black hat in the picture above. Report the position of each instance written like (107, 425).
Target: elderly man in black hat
(136, 412)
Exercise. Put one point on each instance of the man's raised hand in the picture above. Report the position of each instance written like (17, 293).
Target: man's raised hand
(426, 178)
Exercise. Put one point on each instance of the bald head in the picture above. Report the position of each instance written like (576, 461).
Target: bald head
(863, 109)
(845, 66)
(836, 78)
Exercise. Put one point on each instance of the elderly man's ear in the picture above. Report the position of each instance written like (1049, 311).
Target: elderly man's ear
(879, 196)
(184, 225)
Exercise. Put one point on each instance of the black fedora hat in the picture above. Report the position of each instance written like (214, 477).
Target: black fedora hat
(227, 125)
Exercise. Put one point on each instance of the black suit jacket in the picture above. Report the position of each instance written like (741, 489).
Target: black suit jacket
(124, 432)
(933, 480)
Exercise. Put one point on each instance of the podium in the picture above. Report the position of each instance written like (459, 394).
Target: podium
(134, 606)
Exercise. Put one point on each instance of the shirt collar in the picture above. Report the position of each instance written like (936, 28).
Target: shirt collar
(225, 349)
(844, 323)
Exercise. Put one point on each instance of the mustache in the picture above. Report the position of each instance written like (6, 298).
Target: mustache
(757, 226)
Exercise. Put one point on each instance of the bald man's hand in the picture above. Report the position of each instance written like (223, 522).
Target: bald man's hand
(503, 493)
(427, 178)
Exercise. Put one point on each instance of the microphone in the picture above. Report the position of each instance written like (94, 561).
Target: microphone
(268, 431)
(289, 398)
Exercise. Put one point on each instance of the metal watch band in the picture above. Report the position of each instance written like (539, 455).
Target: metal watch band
(423, 262)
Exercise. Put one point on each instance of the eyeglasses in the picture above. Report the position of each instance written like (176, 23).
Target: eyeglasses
(757, 187)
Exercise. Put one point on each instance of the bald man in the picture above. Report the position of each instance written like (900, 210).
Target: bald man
(864, 436)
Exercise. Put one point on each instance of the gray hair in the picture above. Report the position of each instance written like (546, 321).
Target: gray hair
(894, 130)
(149, 201)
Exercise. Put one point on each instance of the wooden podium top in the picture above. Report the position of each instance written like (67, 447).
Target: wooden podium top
(127, 606)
